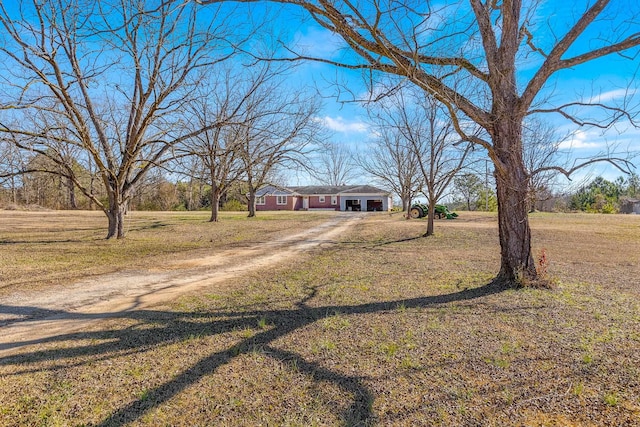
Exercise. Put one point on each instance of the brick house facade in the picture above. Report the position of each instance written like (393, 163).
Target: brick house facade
(337, 198)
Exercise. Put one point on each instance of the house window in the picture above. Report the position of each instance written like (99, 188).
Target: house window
(281, 200)
(334, 200)
(260, 200)
(321, 199)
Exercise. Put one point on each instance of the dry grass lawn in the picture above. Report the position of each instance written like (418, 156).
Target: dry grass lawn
(385, 328)
(57, 247)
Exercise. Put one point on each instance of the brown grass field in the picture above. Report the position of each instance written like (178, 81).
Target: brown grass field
(53, 247)
(383, 328)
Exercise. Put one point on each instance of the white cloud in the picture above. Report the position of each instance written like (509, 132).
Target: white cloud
(580, 139)
(612, 95)
(318, 43)
(339, 124)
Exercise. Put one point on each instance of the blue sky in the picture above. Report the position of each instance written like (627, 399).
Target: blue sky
(603, 80)
(606, 79)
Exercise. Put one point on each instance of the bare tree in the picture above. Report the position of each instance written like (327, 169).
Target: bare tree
(334, 164)
(191, 190)
(11, 162)
(155, 192)
(421, 122)
(467, 56)
(541, 149)
(221, 160)
(278, 130)
(52, 190)
(391, 161)
(235, 98)
(110, 78)
(215, 149)
(42, 181)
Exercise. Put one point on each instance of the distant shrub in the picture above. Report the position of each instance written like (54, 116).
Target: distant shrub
(233, 205)
(609, 208)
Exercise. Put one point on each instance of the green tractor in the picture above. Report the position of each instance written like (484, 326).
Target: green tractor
(420, 210)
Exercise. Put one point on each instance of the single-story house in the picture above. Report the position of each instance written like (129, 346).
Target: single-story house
(321, 197)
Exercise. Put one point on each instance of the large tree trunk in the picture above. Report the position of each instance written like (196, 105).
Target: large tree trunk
(252, 204)
(517, 263)
(115, 214)
(431, 213)
(215, 204)
(406, 205)
(14, 191)
(91, 206)
(73, 204)
(60, 196)
(189, 200)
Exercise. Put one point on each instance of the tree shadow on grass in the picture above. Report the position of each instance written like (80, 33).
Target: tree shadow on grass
(367, 245)
(46, 242)
(171, 327)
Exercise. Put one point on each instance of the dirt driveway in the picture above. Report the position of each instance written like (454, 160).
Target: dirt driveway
(30, 318)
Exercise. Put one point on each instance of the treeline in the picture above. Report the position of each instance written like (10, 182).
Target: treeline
(604, 196)
(598, 196)
(155, 193)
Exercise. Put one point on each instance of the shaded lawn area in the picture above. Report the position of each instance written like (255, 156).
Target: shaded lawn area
(382, 329)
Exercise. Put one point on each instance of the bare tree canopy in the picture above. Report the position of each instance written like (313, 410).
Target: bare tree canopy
(541, 145)
(11, 162)
(277, 132)
(334, 164)
(222, 107)
(214, 148)
(435, 149)
(494, 63)
(392, 162)
(107, 80)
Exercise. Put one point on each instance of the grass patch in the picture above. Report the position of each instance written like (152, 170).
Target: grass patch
(40, 249)
(382, 329)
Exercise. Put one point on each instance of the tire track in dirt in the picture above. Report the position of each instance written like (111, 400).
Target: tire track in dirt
(32, 317)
